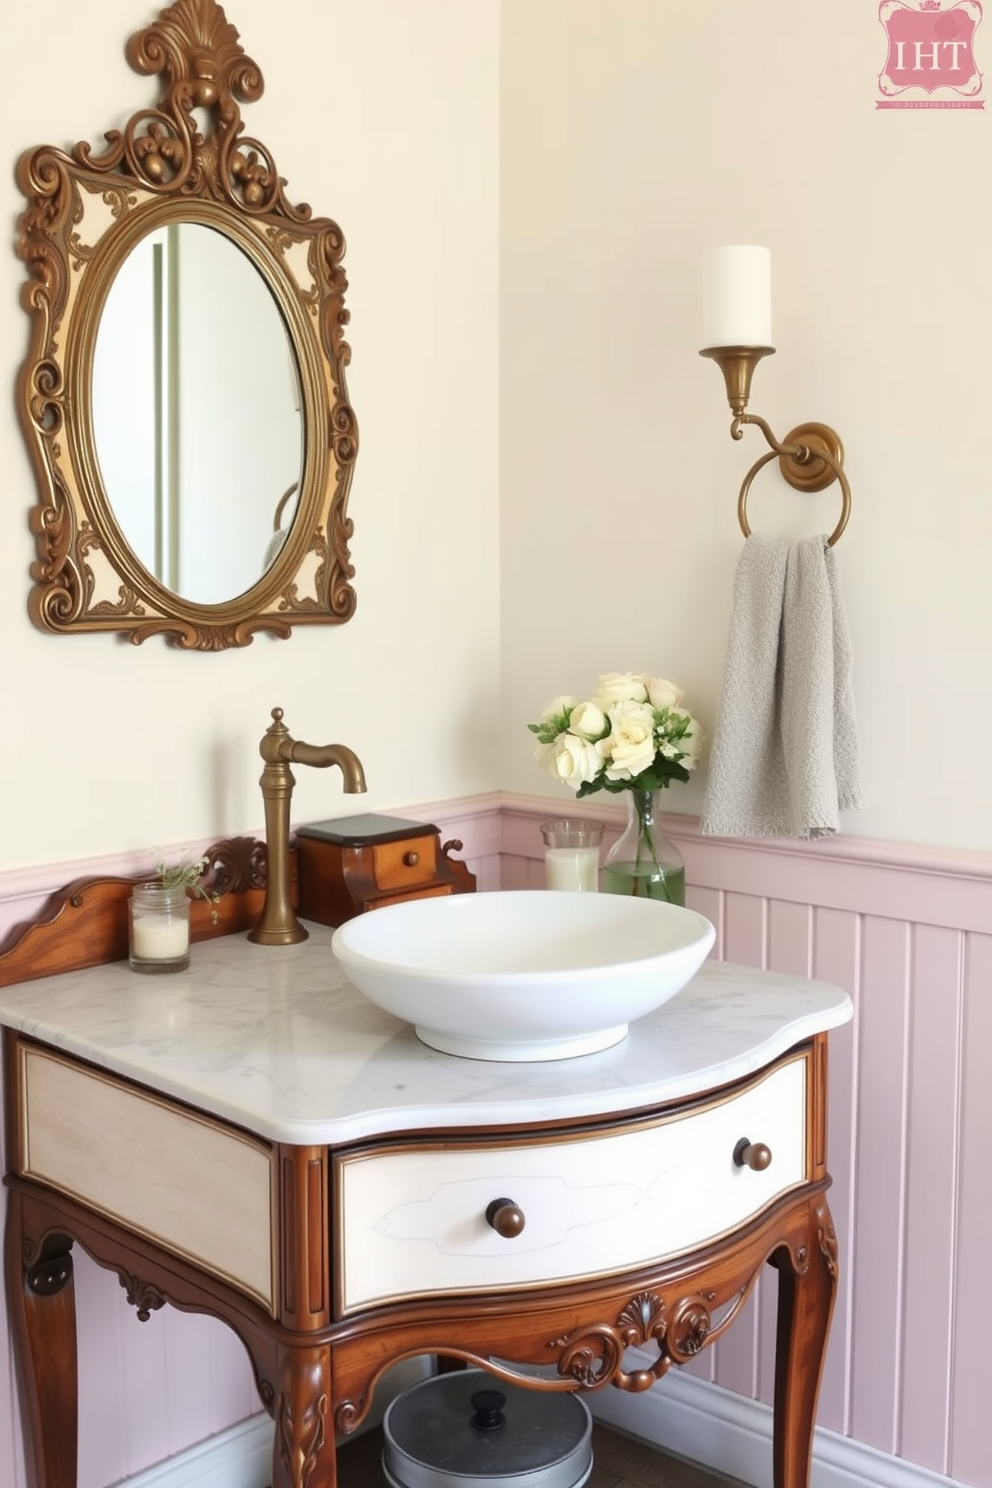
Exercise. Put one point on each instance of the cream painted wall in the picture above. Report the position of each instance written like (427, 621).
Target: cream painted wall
(634, 134)
(383, 115)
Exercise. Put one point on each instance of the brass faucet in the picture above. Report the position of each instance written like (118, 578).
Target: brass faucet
(278, 924)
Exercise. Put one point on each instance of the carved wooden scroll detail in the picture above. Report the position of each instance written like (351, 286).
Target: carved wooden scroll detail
(826, 1237)
(142, 1295)
(593, 1356)
(235, 865)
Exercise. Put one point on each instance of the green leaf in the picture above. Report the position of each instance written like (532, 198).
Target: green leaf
(588, 786)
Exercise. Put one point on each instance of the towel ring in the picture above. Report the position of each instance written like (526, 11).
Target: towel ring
(793, 450)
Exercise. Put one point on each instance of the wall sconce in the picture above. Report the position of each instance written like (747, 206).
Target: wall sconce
(737, 331)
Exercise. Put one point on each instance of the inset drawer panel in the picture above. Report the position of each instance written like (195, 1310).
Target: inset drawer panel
(412, 1220)
(201, 1189)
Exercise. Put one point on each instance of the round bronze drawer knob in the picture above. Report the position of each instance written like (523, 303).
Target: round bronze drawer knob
(753, 1155)
(411, 859)
(505, 1218)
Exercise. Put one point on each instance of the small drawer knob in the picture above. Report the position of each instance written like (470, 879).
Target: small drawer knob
(505, 1217)
(411, 858)
(754, 1155)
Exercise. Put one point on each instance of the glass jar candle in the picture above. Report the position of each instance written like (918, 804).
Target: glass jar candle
(571, 854)
(158, 928)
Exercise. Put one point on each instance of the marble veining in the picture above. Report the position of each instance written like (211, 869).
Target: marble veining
(279, 1041)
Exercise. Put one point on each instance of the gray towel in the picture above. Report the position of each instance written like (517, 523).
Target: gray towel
(785, 753)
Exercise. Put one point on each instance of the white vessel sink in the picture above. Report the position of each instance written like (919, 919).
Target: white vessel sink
(523, 975)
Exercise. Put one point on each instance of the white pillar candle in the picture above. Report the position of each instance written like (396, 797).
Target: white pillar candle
(572, 868)
(737, 296)
(155, 938)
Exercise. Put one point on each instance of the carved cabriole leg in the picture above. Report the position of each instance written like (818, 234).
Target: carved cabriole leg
(303, 1455)
(42, 1307)
(807, 1287)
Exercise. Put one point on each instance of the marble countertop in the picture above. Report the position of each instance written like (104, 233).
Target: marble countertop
(277, 1040)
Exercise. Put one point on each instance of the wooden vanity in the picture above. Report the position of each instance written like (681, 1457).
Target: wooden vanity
(254, 1140)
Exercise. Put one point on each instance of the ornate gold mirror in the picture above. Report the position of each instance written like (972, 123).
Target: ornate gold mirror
(183, 397)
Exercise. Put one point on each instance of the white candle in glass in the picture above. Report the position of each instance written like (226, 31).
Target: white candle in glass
(155, 938)
(572, 868)
(737, 296)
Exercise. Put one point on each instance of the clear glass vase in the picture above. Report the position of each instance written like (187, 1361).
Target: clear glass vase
(643, 861)
(158, 928)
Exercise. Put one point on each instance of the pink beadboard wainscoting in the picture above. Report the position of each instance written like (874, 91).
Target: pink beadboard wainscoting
(907, 932)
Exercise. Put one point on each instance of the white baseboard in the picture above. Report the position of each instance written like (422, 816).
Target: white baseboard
(732, 1435)
(241, 1457)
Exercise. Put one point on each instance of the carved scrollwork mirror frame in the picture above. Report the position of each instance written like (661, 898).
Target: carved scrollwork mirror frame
(160, 169)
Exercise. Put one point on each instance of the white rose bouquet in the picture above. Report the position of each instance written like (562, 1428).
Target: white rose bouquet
(632, 734)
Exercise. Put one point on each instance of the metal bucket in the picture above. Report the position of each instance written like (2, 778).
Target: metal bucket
(469, 1430)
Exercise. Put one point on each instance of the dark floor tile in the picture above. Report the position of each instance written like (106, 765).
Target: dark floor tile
(360, 1462)
(622, 1454)
(603, 1477)
(664, 1471)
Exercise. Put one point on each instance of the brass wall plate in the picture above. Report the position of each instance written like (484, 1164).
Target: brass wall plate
(185, 160)
(813, 474)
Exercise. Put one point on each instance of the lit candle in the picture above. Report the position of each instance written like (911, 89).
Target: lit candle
(572, 868)
(155, 938)
(737, 296)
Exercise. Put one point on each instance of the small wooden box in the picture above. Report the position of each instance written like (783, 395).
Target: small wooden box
(356, 863)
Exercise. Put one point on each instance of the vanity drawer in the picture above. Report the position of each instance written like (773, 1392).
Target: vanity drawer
(436, 891)
(411, 1219)
(199, 1188)
(400, 865)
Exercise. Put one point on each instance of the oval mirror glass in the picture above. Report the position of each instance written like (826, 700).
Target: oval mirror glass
(196, 412)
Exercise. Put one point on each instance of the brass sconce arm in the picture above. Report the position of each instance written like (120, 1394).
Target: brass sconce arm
(810, 457)
(737, 432)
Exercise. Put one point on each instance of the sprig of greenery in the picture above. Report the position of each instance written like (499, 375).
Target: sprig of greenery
(551, 725)
(185, 874)
(657, 777)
